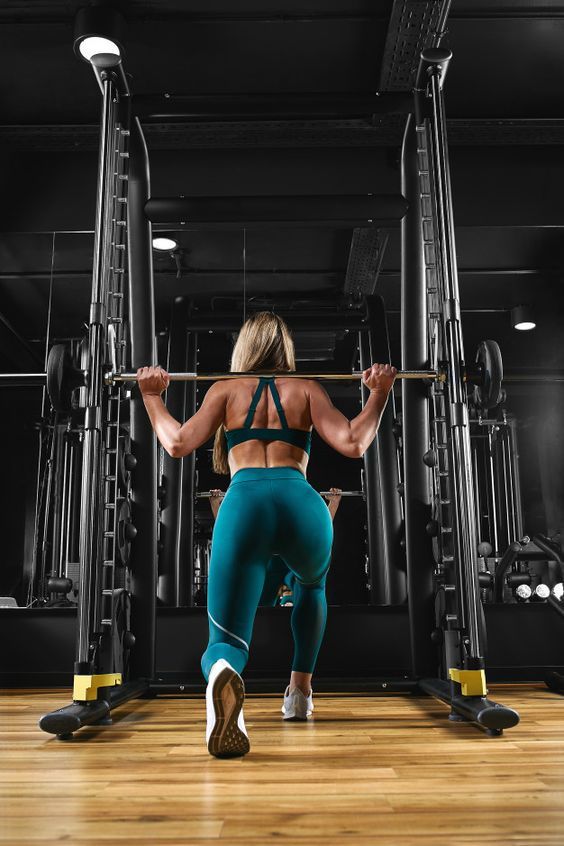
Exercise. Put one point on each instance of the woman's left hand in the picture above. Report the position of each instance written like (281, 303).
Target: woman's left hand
(152, 381)
(334, 495)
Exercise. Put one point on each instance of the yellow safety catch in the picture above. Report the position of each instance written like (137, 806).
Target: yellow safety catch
(86, 688)
(472, 682)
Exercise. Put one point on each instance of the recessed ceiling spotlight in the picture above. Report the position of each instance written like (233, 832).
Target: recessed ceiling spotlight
(164, 244)
(522, 318)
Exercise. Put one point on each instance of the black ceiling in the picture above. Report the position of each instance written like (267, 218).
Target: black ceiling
(506, 128)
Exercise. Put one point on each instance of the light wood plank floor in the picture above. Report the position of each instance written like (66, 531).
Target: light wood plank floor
(367, 770)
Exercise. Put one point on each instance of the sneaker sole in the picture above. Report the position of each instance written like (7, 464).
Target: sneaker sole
(293, 716)
(226, 739)
(295, 719)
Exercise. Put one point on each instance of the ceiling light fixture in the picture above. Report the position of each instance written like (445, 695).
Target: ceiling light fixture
(164, 243)
(93, 45)
(99, 31)
(522, 318)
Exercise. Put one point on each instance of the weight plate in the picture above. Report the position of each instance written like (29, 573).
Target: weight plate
(126, 532)
(126, 460)
(487, 393)
(62, 378)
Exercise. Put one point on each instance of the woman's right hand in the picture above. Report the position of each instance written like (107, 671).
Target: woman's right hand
(152, 381)
(380, 378)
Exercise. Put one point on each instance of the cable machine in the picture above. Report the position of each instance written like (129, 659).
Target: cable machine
(117, 598)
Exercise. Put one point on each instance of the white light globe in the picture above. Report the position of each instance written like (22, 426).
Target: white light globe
(164, 244)
(523, 592)
(94, 45)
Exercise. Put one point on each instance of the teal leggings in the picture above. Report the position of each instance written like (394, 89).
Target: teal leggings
(265, 512)
(277, 574)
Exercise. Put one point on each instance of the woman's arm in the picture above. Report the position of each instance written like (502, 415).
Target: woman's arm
(180, 439)
(333, 501)
(352, 437)
(215, 501)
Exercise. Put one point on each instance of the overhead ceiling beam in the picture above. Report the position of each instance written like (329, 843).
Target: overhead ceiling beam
(22, 11)
(266, 107)
(384, 131)
(335, 211)
(294, 273)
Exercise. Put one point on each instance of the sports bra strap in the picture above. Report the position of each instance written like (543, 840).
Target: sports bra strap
(254, 402)
(277, 403)
(263, 381)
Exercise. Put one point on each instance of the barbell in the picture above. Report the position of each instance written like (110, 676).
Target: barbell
(112, 378)
(62, 377)
(209, 495)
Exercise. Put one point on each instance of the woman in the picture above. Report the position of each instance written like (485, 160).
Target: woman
(262, 437)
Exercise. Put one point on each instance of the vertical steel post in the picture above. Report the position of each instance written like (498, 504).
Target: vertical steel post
(415, 413)
(171, 504)
(177, 516)
(144, 446)
(515, 476)
(377, 570)
(435, 61)
(90, 502)
(388, 477)
(186, 541)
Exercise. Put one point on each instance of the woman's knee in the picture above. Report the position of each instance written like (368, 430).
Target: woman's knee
(316, 583)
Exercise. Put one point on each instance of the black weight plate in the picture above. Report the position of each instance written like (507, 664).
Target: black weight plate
(487, 393)
(124, 463)
(123, 545)
(62, 378)
(57, 362)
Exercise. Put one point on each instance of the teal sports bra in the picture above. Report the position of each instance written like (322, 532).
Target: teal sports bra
(297, 437)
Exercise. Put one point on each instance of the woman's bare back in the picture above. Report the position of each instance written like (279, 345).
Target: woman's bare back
(295, 401)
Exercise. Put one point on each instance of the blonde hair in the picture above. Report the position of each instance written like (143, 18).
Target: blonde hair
(264, 343)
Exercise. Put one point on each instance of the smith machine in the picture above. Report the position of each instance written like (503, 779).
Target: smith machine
(116, 626)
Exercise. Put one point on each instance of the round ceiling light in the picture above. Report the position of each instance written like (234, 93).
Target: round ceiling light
(99, 31)
(164, 243)
(522, 318)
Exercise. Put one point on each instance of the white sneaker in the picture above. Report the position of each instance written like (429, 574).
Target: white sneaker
(226, 734)
(296, 705)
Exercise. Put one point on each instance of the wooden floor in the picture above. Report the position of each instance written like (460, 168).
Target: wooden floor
(368, 770)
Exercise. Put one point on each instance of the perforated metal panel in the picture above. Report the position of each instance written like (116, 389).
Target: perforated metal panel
(365, 259)
(413, 26)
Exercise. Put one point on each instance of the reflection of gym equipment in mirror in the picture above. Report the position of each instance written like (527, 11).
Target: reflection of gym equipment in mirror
(110, 511)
